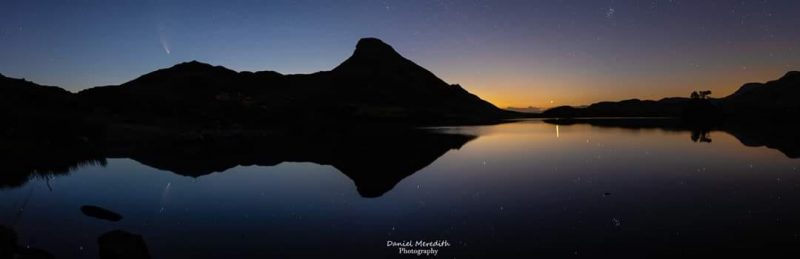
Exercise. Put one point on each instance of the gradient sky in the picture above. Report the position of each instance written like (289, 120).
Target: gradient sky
(512, 53)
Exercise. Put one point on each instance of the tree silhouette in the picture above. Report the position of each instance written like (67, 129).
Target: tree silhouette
(701, 94)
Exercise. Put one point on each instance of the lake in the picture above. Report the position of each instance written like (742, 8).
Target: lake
(522, 189)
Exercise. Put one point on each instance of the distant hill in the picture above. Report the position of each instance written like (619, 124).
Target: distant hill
(375, 84)
(667, 107)
(529, 109)
(774, 98)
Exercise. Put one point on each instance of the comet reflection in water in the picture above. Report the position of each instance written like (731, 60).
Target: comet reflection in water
(164, 197)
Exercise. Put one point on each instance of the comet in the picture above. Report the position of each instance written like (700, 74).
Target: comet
(164, 43)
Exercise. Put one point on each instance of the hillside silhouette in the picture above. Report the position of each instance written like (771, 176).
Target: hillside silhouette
(375, 84)
(781, 96)
(777, 98)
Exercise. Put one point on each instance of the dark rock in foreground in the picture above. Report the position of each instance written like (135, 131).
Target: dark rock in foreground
(119, 244)
(8, 242)
(100, 213)
(10, 249)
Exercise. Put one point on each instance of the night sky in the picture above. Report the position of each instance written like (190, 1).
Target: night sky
(512, 53)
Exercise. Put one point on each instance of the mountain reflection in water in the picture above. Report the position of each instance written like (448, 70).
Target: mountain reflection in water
(596, 188)
(374, 159)
(781, 135)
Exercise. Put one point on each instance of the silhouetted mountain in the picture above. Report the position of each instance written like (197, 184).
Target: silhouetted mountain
(22, 93)
(29, 109)
(375, 84)
(383, 83)
(26, 106)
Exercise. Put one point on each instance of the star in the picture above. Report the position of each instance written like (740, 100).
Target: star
(610, 12)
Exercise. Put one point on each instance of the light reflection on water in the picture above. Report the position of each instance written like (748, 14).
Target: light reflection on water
(527, 188)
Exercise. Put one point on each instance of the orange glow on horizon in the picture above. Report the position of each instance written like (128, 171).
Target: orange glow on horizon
(505, 93)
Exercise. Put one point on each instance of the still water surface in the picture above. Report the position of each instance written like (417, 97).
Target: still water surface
(527, 188)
